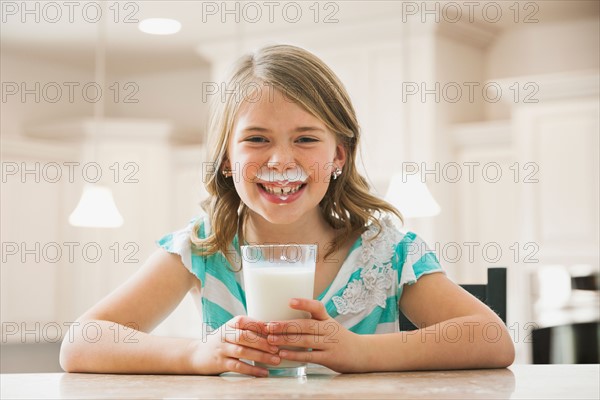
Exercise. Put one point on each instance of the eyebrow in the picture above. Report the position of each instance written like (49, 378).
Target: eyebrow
(299, 129)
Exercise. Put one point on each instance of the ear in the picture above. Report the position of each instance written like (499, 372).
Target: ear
(226, 164)
(340, 156)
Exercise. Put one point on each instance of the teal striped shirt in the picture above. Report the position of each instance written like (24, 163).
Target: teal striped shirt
(363, 297)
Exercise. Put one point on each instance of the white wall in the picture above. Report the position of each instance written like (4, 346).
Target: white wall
(154, 98)
(532, 49)
(148, 95)
(29, 71)
(538, 49)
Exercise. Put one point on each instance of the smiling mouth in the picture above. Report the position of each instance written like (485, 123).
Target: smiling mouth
(282, 190)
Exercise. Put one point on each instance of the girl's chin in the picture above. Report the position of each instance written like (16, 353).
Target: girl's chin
(279, 218)
(280, 214)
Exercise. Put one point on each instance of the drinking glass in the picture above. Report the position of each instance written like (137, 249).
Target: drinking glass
(273, 274)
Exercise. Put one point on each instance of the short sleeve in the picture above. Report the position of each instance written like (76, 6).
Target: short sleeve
(415, 259)
(179, 242)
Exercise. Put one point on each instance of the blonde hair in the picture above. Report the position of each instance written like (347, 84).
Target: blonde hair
(348, 206)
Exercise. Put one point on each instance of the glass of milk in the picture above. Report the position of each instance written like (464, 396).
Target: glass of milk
(273, 274)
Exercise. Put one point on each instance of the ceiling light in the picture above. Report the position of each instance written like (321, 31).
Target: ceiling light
(96, 207)
(160, 26)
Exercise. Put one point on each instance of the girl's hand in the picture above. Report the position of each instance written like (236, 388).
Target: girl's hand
(223, 350)
(333, 346)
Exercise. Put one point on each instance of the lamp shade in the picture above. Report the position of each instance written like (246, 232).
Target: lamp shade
(96, 209)
(411, 197)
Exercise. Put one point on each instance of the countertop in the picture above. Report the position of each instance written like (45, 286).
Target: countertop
(518, 381)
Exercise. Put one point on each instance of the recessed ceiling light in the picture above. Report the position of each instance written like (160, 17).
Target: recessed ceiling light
(159, 26)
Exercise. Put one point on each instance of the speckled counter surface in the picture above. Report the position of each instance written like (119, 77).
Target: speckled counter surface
(518, 381)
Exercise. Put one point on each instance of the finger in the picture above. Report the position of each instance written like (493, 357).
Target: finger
(314, 307)
(251, 339)
(247, 323)
(247, 353)
(241, 367)
(315, 357)
(294, 326)
(304, 341)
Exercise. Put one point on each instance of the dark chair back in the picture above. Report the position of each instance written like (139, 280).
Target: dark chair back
(493, 294)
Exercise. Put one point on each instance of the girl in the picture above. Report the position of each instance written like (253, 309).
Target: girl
(284, 172)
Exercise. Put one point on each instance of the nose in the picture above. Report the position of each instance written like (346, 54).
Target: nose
(281, 158)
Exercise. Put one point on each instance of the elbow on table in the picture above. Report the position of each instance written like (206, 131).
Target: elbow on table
(69, 357)
(504, 355)
(66, 357)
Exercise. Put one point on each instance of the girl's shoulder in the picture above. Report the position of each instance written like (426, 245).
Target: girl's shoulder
(389, 232)
(390, 243)
(386, 259)
(180, 242)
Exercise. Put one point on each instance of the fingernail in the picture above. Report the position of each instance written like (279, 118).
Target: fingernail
(294, 302)
(283, 353)
(275, 360)
(264, 373)
(270, 326)
(274, 349)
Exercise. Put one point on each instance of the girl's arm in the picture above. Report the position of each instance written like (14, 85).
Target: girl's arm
(99, 341)
(458, 331)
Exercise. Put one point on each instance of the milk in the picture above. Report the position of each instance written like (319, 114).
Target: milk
(269, 287)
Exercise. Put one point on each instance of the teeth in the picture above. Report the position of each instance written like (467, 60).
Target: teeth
(279, 191)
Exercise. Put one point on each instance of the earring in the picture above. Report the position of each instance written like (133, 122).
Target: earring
(336, 173)
(227, 172)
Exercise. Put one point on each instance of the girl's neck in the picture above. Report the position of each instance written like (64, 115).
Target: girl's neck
(311, 229)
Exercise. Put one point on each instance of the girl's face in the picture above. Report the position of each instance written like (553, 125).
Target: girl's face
(282, 158)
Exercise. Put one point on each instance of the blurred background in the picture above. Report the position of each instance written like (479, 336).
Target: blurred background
(479, 119)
